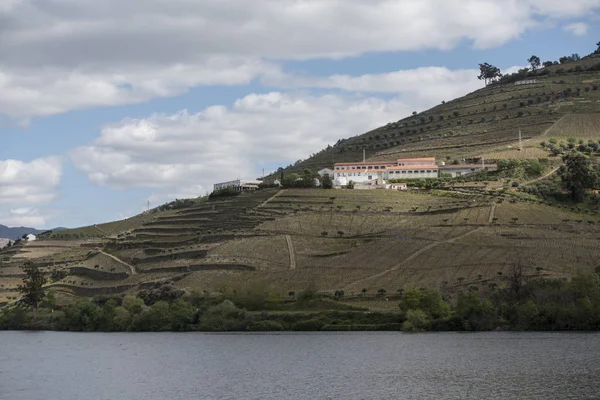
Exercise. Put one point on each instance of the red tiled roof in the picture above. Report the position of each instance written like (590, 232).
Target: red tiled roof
(365, 163)
(455, 166)
(407, 167)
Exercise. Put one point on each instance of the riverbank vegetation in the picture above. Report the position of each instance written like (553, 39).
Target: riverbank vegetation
(521, 304)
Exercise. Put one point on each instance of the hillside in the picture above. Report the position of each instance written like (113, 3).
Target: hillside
(483, 123)
(18, 232)
(290, 240)
(460, 235)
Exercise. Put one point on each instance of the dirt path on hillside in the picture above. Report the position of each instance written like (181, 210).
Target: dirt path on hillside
(492, 213)
(408, 259)
(290, 245)
(541, 177)
(269, 199)
(132, 269)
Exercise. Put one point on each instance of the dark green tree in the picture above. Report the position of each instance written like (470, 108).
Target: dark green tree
(535, 62)
(577, 175)
(488, 73)
(327, 183)
(32, 288)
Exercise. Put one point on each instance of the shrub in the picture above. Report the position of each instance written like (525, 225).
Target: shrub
(265, 326)
(225, 192)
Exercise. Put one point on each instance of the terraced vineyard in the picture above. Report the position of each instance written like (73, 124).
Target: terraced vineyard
(327, 239)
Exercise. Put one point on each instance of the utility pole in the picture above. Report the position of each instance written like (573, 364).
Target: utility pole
(364, 155)
(520, 141)
(148, 205)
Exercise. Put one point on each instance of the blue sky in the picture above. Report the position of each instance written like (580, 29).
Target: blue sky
(104, 107)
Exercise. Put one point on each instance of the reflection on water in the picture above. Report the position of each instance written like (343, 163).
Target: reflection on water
(153, 366)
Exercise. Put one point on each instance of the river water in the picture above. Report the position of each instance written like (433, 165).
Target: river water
(173, 366)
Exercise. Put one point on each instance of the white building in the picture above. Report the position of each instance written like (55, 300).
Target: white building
(413, 172)
(240, 185)
(405, 168)
(325, 171)
(398, 186)
(525, 82)
(30, 237)
(464, 169)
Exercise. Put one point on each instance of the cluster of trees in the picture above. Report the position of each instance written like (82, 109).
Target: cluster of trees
(516, 168)
(578, 174)
(225, 192)
(294, 180)
(557, 148)
(177, 204)
(519, 302)
(491, 74)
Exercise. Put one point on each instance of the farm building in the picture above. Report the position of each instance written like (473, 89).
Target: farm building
(413, 172)
(407, 168)
(526, 82)
(325, 171)
(464, 169)
(397, 186)
(239, 185)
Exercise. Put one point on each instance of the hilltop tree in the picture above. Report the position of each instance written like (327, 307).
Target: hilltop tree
(548, 64)
(598, 49)
(32, 287)
(488, 73)
(535, 62)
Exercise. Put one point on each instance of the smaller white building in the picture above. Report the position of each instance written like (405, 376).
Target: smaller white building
(31, 237)
(397, 186)
(464, 169)
(240, 185)
(526, 82)
(325, 171)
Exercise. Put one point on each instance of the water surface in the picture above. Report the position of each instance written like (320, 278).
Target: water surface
(157, 366)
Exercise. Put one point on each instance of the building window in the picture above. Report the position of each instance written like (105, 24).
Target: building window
(422, 171)
(428, 170)
(403, 172)
(410, 172)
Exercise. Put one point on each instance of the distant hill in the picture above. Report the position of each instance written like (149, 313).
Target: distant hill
(17, 232)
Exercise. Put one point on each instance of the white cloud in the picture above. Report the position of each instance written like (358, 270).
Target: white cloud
(577, 28)
(31, 218)
(112, 52)
(193, 151)
(24, 184)
(33, 182)
(426, 84)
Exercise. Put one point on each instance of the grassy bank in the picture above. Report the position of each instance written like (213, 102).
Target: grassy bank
(537, 304)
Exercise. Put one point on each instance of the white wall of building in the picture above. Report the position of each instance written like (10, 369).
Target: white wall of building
(358, 175)
(236, 183)
(417, 172)
(325, 171)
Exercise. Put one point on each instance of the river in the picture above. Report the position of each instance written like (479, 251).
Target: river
(173, 366)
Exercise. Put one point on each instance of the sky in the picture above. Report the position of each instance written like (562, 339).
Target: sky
(108, 105)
